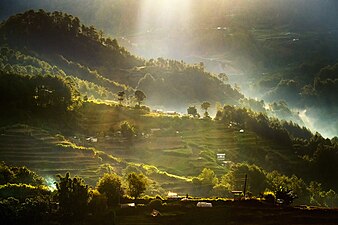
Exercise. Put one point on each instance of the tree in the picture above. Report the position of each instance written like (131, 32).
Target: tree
(98, 203)
(205, 106)
(331, 196)
(121, 95)
(26, 176)
(223, 77)
(208, 177)
(276, 181)
(140, 96)
(110, 186)
(72, 195)
(205, 181)
(136, 184)
(18, 175)
(235, 178)
(285, 196)
(192, 111)
(127, 130)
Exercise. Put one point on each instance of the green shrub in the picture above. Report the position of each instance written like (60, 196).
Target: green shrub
(155, 203)
(269, 197)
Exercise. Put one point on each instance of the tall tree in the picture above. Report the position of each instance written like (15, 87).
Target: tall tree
(205, 181)
(192, 111)
(140, 96)
(127, 130)
(205, 106)
(121, 95)
(72, 195)
(136, 184)
(110, 186)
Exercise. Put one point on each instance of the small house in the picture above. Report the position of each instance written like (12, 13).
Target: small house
(221, 156)
(172, 195)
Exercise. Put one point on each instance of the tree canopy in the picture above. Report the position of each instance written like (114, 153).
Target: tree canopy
(137, 184)
(110, 186)
(140, 96)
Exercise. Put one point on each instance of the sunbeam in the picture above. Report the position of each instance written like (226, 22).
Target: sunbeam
(161, 19)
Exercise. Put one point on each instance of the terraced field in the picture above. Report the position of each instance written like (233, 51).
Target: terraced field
(43, 153)
(186, 150)
(49, 154)
(178, 149)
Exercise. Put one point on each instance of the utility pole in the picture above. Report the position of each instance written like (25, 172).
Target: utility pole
(245, 179)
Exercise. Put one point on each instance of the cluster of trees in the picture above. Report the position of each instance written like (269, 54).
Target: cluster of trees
(23, 197)
(89, 83)
(137, 98)
(22, 94)
(180, 84)
(264, 126)
(318, 154)
(259, 181)
(76, 199)
(29, 84)
(63, 34)
(192, 110)
(17, 175)
(25, 200)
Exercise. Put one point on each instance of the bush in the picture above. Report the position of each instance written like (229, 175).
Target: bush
(22, 191)
(18, 175)
(270, 197)
(155, 203)
(98, 203)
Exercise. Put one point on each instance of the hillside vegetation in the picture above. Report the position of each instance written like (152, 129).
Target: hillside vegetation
(66, 44)
(175, 152)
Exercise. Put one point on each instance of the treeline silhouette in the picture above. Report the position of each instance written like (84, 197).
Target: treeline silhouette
(63, 34)
(25, 197)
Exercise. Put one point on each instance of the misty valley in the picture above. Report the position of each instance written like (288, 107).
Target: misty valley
(168, 112)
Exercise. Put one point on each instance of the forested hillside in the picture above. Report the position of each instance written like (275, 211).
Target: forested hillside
(64, 43)
(273, 50)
